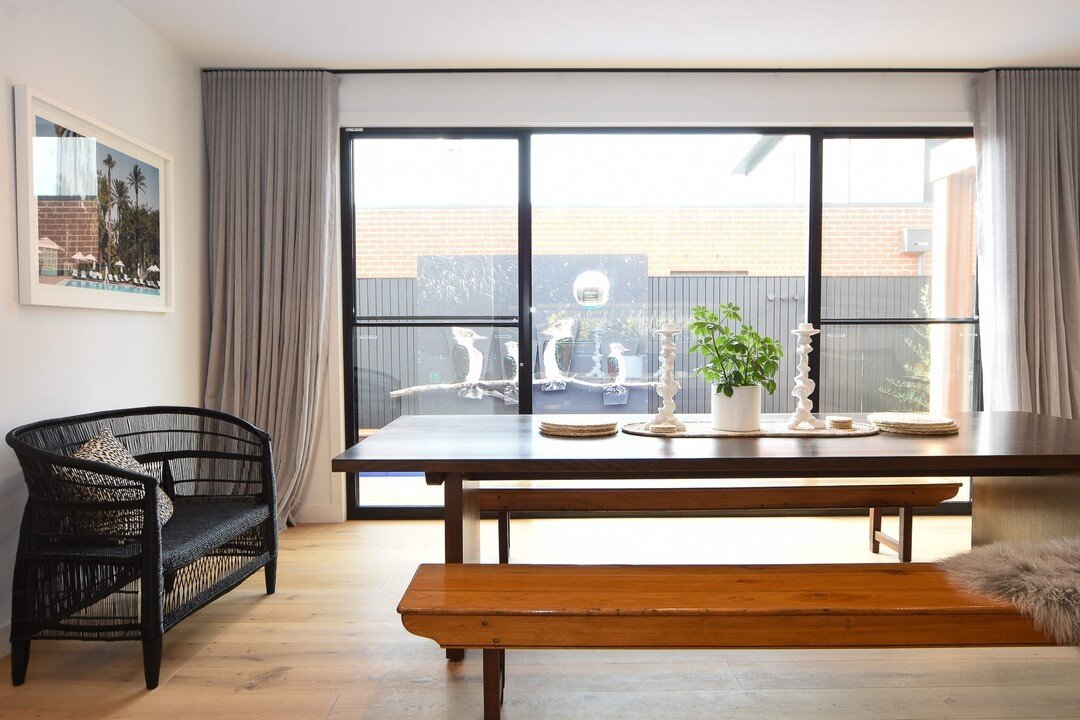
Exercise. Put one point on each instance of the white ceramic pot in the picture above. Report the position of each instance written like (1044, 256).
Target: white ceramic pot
(739, 413)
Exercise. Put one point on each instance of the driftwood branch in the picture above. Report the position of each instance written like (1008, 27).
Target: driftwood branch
(495, 388)
(500, 388)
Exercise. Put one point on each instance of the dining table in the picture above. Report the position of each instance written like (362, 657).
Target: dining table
(1024, 468)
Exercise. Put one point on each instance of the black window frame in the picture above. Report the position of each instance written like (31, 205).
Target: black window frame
(523, 322)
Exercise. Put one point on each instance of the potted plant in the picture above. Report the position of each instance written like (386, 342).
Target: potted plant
(739, 362)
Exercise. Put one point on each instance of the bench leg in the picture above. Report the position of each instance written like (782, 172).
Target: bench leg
(875, 528)
(494, 678)
(906, 518)
(902, 542)
(504, 536)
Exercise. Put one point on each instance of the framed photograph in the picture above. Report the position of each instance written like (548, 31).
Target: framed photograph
(94, 211)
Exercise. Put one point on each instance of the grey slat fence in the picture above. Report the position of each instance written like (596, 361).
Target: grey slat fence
(856, 359)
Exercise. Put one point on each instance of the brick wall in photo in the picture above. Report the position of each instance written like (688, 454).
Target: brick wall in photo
(70, 223)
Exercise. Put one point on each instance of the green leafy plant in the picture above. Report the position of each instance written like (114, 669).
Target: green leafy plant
(736, 355)
(911, 391)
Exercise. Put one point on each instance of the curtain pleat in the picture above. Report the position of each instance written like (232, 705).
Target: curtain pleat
(1027, 135)
(272, 154)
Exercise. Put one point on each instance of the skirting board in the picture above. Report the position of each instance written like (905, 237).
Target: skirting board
(312, 514)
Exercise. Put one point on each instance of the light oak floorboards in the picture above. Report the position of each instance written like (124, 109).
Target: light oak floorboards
(330, 644)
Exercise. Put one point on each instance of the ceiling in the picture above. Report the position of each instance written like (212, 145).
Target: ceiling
(497, 34)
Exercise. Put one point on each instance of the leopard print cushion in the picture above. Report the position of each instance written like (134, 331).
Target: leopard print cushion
(96, 487)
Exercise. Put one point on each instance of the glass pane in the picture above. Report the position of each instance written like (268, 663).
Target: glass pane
(916, 368)
(436, 227)
(396, 368)
(436, 262)
(898, 229)
(631, 230)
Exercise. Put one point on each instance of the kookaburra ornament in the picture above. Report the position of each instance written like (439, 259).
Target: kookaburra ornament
(467, 359)
(559, 339)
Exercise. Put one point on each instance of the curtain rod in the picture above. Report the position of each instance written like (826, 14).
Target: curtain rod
(473, 70)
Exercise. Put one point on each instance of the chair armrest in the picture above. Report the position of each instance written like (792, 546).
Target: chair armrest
(71, 517)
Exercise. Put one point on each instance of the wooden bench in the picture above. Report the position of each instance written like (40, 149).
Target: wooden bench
(796, 494)
(499, 607)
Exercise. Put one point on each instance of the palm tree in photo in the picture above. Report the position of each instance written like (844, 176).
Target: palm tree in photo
(121, 201)
(107, 202)
(109, 162)
(137, 181)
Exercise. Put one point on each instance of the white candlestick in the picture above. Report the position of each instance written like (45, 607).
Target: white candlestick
(665, 420)
(804, 386)
(597, 356)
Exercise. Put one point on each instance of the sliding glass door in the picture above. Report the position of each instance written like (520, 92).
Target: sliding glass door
(434, 289)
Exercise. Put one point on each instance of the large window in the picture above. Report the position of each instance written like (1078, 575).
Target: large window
(524, 270)
(898, 275)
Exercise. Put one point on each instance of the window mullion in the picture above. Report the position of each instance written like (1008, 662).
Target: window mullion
(813, 260)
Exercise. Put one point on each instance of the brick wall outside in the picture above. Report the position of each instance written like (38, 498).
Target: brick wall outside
(71, 224)
(858, 240)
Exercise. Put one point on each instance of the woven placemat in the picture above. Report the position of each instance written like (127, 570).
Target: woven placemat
(769, 428)
(579, 426)
(556, 429)
(916, 419)
(912, 430)
(562, 432)
(913, 423)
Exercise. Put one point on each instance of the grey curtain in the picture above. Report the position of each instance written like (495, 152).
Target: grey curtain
(1027, 134)
(271, 141)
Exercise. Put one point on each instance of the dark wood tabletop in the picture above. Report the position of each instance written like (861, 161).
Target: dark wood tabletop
(503, 446)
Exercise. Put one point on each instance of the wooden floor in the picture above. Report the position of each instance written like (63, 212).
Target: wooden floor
(330, 645)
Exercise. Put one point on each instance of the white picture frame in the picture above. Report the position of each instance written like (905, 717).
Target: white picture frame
(61, 182)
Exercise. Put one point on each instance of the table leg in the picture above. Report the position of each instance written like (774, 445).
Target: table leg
(494, 679)
(1024, 509)
(461, 527)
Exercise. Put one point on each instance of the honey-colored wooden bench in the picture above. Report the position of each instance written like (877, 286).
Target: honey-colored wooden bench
(500, 607)
(796, 494)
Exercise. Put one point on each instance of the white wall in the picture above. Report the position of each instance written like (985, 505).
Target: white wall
(99, 59)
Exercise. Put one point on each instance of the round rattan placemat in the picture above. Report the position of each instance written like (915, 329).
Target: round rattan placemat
(553, 429)
(913, 424)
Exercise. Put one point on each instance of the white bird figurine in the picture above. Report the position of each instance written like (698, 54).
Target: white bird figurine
(466, 358)
(616, 364)
(559, 347)
(511, 361)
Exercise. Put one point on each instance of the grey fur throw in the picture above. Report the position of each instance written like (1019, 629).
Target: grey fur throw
(1041, 579)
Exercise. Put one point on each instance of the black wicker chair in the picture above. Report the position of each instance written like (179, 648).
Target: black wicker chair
(73, 581)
